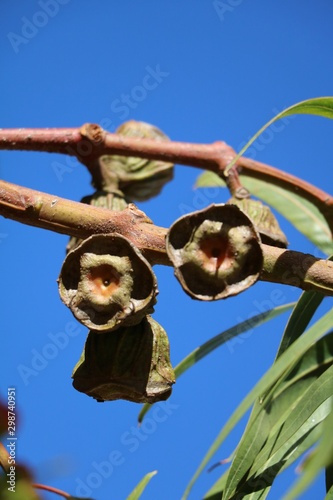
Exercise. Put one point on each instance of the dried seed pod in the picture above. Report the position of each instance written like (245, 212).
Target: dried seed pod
(134, 364)
(139, 178)
(264, 221)
(216, 252)
(106, 282)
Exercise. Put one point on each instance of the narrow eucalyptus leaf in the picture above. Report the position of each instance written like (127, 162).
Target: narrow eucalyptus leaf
(139, 489)
(320, 106)
(285, 362)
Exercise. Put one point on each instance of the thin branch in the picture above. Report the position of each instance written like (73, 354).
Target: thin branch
(90, 142)
(63, 216)
(51, 489)
(78, 219)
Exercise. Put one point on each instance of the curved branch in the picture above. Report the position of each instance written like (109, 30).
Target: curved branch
(51, 489)
(90, 142)
(78, 219)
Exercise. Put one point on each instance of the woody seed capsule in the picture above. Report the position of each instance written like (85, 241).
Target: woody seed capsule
(107, 283)
(216, 252)
(264, 221)
(133, 364)
(138, 178)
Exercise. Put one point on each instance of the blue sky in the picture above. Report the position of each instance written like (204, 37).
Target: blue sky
(221, 72)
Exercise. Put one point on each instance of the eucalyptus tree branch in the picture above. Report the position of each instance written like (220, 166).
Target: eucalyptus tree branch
(78, 219)
(90, 142)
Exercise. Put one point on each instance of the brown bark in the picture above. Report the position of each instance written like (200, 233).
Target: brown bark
(77, 219)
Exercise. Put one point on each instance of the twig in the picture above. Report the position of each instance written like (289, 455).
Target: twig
(90, 142)
(51, 489)
(77, 219)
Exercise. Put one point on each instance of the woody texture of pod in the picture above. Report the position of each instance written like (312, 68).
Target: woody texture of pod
(107, 283)
(132, 364)
(216, 252)
(264, 221)
(138, 178)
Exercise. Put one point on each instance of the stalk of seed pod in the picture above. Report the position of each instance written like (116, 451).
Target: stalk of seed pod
(134, 364)
(216, 252)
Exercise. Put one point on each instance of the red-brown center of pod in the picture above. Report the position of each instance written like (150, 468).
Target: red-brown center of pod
(104, 280)
(216, 251)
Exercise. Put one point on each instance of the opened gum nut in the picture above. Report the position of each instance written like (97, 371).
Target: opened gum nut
(106, 282)
(264, 221)
(134, 364)
(216, 252)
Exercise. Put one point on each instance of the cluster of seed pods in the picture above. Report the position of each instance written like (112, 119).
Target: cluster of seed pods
(111, 288)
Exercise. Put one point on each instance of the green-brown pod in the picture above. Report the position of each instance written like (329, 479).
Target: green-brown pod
(133, 364)
(107, 283)
(264, 221)
(138, 178)
(216, 252)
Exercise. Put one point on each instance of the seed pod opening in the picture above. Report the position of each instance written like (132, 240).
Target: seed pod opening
(264, 221)
(134, 364)
(106, 282)
(216, 252)
(139, 178)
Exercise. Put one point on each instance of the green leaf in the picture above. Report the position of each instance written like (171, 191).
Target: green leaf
(321, 457)
(297, 323)
(299, 319)
(215, 492)
(320, 106)
(275, 430)
(284, 363)
(267, 477)
(329, 495)
(138, 490)
(310, 409)
(300, 212)
(218, 340)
